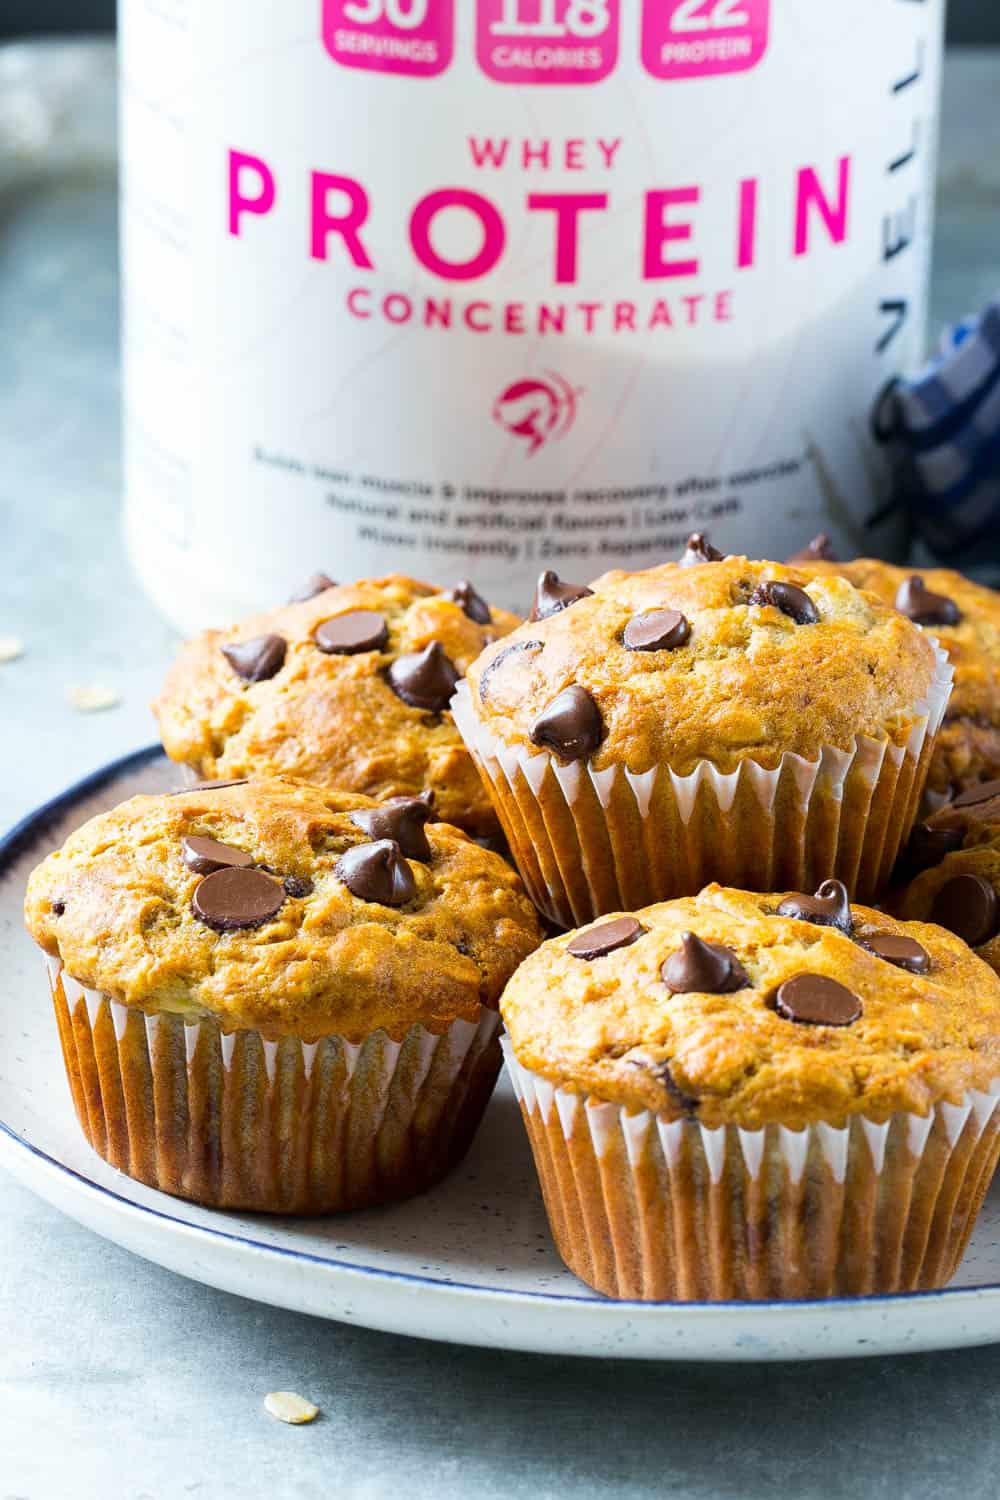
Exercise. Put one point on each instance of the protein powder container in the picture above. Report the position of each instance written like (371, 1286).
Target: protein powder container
(477, 287)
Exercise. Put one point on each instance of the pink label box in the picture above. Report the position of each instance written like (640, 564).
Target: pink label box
(547, 41)
(413, 37)
(698, 38)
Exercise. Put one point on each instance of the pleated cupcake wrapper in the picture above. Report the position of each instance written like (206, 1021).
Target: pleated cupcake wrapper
(235, 1120)
(588, 842)
(642, 1207)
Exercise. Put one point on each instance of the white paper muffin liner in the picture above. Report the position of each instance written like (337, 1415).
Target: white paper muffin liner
(237, 1121)
(659, 1210)
(589, 842)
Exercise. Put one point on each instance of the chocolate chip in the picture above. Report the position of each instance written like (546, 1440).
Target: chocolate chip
(426, 679)
(58, 908)
(967, 905)
(402, 819)
(514, 649)
(377, 873)
(205, 855)
(916, 601)
(257, 660)
(820, 549)
(699, 968)
(830, 907)
(687, 1102)
(661, 1071)
(984, 792)
(348, 635)
(698, 549)
(233, 898)
(815, 1000)
(553, 595)
(208, 786)
(297, 886)
(906, 953)
(789, 598)
(317, 584)
(656, 630)
(607, 938)
(927, 846)
(473, 604)
(571, 726)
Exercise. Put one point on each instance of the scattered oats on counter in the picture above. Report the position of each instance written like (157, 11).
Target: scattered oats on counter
(10, 648)
(92, 698)
(286, 1406)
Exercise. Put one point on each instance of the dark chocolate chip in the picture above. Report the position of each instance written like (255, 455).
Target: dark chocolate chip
(348, 635)
(906, 953)
(927, 846)
(656, 630)
(514, 649)
(820, 549)
(317, 584)
(233, 898)
(58, 908)
(815, 1000)
(208, 786)
(687, 1102)
(916, 601)
(661, 1071)
(571, 726)
(967, 905)
(257, 660)
(297, 886)
(789, 598)
(205, 855)
(830, 907)
(699, 968)
(553, 595)
(402, 819)
(698, 549)
(426, 680)
(473, 604)
(973, 795)
(377, 873)
(607, 938)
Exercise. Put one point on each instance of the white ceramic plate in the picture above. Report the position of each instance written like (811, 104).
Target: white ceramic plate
(470, 1262)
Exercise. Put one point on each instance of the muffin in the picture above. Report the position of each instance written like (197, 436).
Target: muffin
(747, 1096)
(965, 617)
(950, 871)
(277, 998)
(348, 687)
(731, 720)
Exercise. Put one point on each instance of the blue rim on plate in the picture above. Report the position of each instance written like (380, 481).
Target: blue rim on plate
(31, 829)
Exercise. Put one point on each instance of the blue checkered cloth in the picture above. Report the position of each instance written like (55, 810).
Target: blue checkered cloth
(942, 427)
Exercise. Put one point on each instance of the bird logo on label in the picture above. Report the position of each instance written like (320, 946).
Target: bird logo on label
(538, 409)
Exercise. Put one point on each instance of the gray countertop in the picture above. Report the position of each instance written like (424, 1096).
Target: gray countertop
(118, 1379)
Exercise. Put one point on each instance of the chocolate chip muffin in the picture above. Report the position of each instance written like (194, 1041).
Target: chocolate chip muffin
(950, 871)
(716, 718)
(347, 687)
(750, 1096)
(965, 617)
(275, 997)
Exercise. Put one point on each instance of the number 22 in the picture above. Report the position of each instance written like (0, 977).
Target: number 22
(723, 13)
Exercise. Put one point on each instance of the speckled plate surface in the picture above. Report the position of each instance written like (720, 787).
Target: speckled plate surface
(471, 1262)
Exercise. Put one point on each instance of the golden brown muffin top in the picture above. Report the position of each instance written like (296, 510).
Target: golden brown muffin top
(120, 903)
(763, 660)
(333, 717)
(953, 867)
(969, 631)
(613, 1027)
